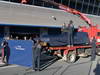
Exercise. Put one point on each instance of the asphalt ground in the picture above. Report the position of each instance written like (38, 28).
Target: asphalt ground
(83, 66)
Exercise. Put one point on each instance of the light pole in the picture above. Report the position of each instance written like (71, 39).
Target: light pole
(93, 7)
(88, 6)
(82, 5)
(33, 2)
(98, 7)
(76, 4)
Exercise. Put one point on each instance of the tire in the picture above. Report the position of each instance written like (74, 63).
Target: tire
(98, 51)
(64, 58)
(71, 57)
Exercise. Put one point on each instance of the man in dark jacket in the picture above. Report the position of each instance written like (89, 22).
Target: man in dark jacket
(36, 54)
(69, 30)
(93, 52)
(6, 52)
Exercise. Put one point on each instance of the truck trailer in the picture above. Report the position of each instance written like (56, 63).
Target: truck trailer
(58, 43)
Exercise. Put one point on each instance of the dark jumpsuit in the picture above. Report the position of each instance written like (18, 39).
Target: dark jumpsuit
(70, 31)
(93, 52)
(6, 51)
(36, 56)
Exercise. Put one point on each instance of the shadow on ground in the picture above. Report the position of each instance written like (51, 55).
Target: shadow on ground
(97, 69)
(4, 65)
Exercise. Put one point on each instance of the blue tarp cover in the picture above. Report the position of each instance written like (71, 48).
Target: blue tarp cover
(62, 40)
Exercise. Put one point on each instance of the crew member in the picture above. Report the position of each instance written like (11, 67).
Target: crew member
(5, 52)
(36, 54)
(70, 30)
(93, 52)
(79, 29)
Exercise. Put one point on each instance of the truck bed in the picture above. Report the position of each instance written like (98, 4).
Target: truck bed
(80, 38)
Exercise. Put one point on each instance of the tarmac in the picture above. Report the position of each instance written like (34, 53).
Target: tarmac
(83, 66)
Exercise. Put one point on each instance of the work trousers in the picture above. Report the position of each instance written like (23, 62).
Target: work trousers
(70, 38)
(93, 52)
(36, 58)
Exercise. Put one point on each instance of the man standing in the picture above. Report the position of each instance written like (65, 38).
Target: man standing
(6, 52)
(70, 30)
(36, 54)
(64, 28)
(93, 52)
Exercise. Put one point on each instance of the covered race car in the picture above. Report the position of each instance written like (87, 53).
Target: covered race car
(80, 38)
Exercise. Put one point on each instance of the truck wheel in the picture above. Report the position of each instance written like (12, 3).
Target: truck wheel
(71, 57)
(64, 58)
(98, 51)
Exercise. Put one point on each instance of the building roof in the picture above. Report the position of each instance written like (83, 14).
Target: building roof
(30, 15)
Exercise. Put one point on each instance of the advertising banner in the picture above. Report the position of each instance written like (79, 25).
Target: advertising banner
(21, 52)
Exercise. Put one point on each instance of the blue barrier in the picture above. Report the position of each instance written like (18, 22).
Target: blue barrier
(21, 52)
(1, 40)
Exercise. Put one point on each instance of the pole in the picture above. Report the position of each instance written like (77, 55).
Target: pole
(93, 6)
(68, 3)
(61, 1)
(76, 4)
(88, 6)
(98, 9)
(33, 2)
(82, 5)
